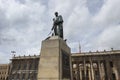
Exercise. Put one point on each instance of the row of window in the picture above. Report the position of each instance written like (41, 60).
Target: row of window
(25, 67)
(3, 67)
(3, 73)
(24, 76)
(2, 78)
(94, 64)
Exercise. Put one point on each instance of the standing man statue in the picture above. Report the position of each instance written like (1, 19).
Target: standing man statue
(58, 25)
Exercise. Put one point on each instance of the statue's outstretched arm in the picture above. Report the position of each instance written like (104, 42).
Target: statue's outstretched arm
(53, 27)
(54, 23)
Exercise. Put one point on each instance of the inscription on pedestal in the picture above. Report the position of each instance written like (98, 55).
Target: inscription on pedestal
(65, 65)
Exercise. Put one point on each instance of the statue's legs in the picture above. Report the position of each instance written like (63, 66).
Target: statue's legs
(61, 30)
(58, 30)
(55, 30)
(61, 33)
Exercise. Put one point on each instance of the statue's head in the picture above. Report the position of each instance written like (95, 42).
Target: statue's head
(56, 13)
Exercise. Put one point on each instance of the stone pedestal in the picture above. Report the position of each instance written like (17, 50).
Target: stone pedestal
(55, 60)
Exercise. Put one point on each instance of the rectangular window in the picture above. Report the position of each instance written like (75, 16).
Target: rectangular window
(111, 64)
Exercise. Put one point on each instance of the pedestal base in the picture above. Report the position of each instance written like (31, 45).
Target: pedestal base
(55, 60)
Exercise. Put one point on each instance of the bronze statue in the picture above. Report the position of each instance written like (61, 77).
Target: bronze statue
(58, 25)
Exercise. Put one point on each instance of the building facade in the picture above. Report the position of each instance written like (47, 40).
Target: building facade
(4, 70)
(103, 65)
(24, 68)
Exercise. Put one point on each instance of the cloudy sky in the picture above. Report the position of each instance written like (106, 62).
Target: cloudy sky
(95, 24)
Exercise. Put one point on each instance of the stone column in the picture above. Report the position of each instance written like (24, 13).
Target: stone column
(115, 69)
(99, 69)
(92, 72)
(89, 72)
(84, 65)
(78, 72)
(105, 71)
(108, 70)
(76, 76)
(102, 71)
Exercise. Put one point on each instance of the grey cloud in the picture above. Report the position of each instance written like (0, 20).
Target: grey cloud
(21, 1)
(109, 14)
(25, 23)
(2, 58)
(6, 40)
(110, 37)
(3, 22)
(94, 5)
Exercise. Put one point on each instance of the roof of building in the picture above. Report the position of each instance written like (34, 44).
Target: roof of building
(97, 53)
(73, 54)
(25, 57)
(4, 64)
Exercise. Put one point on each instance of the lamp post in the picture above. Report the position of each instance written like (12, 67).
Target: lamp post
(13, 53)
